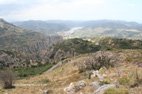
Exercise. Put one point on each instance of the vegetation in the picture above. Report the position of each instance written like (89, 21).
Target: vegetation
(31, 71)
(109, 43)
(116, 91)
(78, 45)
(44, 81)
(97, 61)
(7, 79)
(124, 80)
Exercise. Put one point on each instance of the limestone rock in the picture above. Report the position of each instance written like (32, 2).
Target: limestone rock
(102, 89)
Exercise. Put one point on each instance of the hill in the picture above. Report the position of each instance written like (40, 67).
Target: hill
(88, 29)
(42, 26)
(55, 81)
(22, 48)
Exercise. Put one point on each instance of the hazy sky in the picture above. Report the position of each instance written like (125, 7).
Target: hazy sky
(13, 10)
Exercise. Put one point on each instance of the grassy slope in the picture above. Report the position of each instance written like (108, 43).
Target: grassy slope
(67, 73)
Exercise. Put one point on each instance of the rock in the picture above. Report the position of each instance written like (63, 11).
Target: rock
(95, 84)
(97, 74)
(45, 92)
(102, 89)
(72, 88)
(81, 84)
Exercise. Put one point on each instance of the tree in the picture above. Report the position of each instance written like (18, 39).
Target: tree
(7, 78)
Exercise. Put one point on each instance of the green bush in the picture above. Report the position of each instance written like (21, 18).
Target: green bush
(78, 45)
(44, 81)
(105, 81)
(124, 80)
(116, 91)
(30, 71)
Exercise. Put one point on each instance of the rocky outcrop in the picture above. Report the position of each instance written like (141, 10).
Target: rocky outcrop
(74, 87)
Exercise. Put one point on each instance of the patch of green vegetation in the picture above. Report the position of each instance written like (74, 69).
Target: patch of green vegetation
(116, 91)
(31, 71)
(44, 81)
(124, 80)
(105, 81)
(78, 45)
(116, 43)
(1, 91)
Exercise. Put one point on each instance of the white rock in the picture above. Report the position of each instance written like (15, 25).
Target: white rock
(70, 89)
(95, 84)
(102, 89)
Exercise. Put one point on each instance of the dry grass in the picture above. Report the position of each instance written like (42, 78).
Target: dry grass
(67, 73)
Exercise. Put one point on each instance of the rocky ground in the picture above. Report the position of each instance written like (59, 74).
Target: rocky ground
(66, 79)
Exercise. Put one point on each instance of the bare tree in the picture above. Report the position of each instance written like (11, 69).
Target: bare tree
(7, 78)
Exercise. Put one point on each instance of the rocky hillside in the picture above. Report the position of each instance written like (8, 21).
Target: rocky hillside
(66, 78)
(20, 47)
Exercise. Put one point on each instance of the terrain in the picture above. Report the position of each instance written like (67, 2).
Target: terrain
(86, 29)
(54, 81)
(73, 57)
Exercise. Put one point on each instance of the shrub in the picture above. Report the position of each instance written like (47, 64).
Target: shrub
(7, 78)
(137, 79)
(44, 81)
(105, 81)
(124, 80)
(97, 61)
(116, 91)
(25, 72)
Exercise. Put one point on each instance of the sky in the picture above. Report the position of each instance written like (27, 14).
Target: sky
(19, 10)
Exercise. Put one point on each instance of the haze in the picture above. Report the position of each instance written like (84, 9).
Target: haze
(19, 10)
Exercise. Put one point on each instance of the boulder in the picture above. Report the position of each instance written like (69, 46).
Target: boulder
(97, 74)
(95, 84)
(72, 88)
(102, 89)
(81, 84)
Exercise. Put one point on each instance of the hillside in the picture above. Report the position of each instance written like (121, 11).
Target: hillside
(88, 29)
(22, 48)
(55, 81)
(42, 26)
(106, 28)
(84, 65)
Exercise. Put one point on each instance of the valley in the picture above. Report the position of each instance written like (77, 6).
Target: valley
(69, 57)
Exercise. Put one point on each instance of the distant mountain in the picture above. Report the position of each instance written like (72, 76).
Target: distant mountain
(42, 26)
(107, 28)
(86, 29)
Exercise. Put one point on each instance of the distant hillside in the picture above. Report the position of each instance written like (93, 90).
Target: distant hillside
(42, 26)
(105, 28)
(118, 43)
(20, 47)
(89, 29)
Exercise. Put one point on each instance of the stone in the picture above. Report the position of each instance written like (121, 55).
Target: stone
(81, 84)
(70, 89)
(102, 89)
(97, 74)
(95, 84)
(45, 92)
